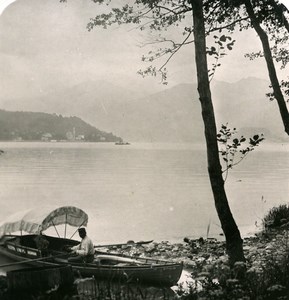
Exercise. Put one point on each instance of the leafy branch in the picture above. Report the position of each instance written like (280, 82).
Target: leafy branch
(160, 15)
(153, 71)
(223, 43)
(284, 85)
(279, 47)
(232, 149)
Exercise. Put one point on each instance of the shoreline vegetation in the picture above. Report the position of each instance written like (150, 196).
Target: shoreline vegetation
(265, 275)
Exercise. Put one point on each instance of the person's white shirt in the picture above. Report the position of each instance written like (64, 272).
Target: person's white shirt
(85, 247)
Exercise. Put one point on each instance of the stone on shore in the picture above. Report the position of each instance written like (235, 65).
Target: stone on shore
(198, 254)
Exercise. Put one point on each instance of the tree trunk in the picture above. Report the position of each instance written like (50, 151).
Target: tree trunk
(234, 243)
(270, 65)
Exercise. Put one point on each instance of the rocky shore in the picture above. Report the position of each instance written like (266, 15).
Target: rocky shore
(199, 254)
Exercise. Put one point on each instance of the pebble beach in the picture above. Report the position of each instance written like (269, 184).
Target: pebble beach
(200, 254)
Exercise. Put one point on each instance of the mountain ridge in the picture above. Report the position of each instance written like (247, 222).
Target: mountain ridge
(40, 126)
(172, 115)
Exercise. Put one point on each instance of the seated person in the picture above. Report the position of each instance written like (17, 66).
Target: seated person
(84, 252)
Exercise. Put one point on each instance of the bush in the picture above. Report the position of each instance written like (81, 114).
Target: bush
(276, 217)
(264, 277)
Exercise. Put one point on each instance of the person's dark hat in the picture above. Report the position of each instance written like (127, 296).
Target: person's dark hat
(81, 230)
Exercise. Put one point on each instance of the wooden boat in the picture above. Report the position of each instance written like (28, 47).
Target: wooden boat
(122, 143)
(40, 278)
(22, 250)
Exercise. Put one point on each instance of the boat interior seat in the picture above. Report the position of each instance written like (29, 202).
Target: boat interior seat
(115, 260)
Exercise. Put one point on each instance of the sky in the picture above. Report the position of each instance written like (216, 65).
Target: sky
(45, 47)
(44, 44)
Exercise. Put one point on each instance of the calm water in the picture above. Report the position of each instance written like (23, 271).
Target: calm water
(141, 191)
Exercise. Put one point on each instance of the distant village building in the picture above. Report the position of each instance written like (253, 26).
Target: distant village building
(46, 137)
(80, 137)
(71, 136)
(18, 139)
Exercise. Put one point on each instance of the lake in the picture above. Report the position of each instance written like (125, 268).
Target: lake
(140, 191)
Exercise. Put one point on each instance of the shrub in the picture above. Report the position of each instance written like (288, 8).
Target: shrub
(265, 278)
(276, 217)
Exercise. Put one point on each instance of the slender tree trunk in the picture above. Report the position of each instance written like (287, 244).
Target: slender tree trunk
(270, 65)
(234, 242)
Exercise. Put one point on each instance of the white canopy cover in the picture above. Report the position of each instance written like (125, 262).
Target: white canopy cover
(41, 218)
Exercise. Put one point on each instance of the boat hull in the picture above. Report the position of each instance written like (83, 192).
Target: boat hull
(157, 275)
(140, 270)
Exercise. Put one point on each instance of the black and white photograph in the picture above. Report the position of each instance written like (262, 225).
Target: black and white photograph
(144, 149)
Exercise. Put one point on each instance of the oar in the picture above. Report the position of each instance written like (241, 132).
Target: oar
(30, 260)
(124, 244)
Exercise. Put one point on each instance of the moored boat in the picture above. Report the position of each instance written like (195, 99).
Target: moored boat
(22, 249)
(122, 143)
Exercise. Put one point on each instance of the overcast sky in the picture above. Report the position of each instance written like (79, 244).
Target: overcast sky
(45, 44)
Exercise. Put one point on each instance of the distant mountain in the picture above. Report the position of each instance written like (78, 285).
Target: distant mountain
(172, 115)
(32, 126)
(244, 105)
(100, 103)
(163, 116)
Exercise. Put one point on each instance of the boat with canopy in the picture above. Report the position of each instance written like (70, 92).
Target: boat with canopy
(22, 248)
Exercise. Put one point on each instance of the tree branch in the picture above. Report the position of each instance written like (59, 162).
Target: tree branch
(228, 25)
(176, 50)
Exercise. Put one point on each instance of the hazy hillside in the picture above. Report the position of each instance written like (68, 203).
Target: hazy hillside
(164, 116)
(172, 115)
(31, 126)
(243, 104)
(97, 102)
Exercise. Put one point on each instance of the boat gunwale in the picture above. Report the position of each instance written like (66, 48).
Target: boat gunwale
(147, 260)
(162, 272)
(162, 262)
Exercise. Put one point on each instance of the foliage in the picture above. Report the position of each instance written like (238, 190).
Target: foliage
(154, 16)
(223, 43)
(280, 50)
(285, 88)
(269, 20)
(271, 15)
(226, 15)
(266, 278)
(277, 216)
(234, 150)
(218, 281)
(158, 16)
